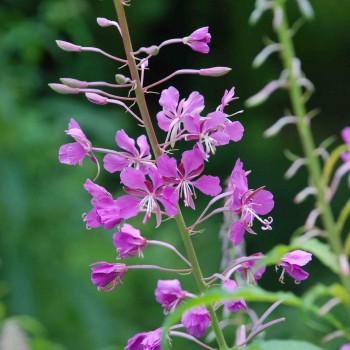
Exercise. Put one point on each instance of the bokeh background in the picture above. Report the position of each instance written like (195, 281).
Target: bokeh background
(45, 250)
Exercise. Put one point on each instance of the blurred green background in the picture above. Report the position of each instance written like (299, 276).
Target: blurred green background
(45, 250)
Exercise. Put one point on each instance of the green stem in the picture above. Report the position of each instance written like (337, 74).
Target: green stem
(142, 104)
(307, 141)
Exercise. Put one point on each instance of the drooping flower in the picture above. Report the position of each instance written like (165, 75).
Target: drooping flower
(106, 276)
(236, 304)
(145, 341)
(74, 153)
(183, 176)
(199, 40)
(106, 211)
(169, 294)
(291, 263)
(170, 119)
(249, 204)
(145, 195)
(139, 159)
(248, 270)
(196, 321)
(212, 131)
(128, 241)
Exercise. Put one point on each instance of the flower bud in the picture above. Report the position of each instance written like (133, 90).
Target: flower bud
(66, 46)
(64, 89)
(215, 71)
(97, 99)
(196, 321)
(103, 22)
(74, 83)
(121, 79)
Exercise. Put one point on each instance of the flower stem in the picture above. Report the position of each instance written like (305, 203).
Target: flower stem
(306, 138)
(141, 102)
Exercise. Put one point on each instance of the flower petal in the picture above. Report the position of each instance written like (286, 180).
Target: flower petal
(209, 185)
(113, 163)
(237, 232)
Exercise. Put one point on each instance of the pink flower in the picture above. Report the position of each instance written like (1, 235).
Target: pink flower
(227, 98)
(128, 241)
(345, 133)
(196, 321)
(74, 153)
(183, 176)
(146, 195)
(107, 211)
(132, 156)
(236, 304)
(169, 294)
(212, 131)
(145, 341)
(345, 346)
(106, 276)
(170, 119)
(249, 204)
(199, 40)
(291, 263)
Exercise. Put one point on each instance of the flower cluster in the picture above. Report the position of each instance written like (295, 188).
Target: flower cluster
(156, 181)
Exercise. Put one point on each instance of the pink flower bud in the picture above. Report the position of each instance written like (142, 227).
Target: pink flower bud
(97, 99)
(215, 71)
(74, 83)
(64, 89)
(66, 46)
(103, 22)
(199, 40)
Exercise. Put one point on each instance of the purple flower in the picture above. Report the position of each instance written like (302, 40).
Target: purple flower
(212, 131)
(107, 211)
(196, 321)
(345, 133)
(183, 176)
(291, 263)
(128, 241)
(226, 99)
(146, 195)
(132, 156)
(106, 276)
(236, 304)
(145, 341)
(170, 119)
(169, 294)
(199, 40)
(74, 153)
(249, 204)
(345, 346)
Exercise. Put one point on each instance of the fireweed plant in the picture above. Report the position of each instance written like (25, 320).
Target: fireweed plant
(160, 181)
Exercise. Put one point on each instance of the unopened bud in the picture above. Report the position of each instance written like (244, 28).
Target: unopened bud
(64, 89)
(74, 83)
(215, 71)
(103, 22)
(121, 79)
(66, 46)
(97, 99)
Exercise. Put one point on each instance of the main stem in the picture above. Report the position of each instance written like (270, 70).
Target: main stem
(141, 102)
(307, 141)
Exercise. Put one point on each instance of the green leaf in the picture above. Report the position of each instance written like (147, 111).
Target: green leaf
(322, 251)
(283, 344)
(343, 216)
